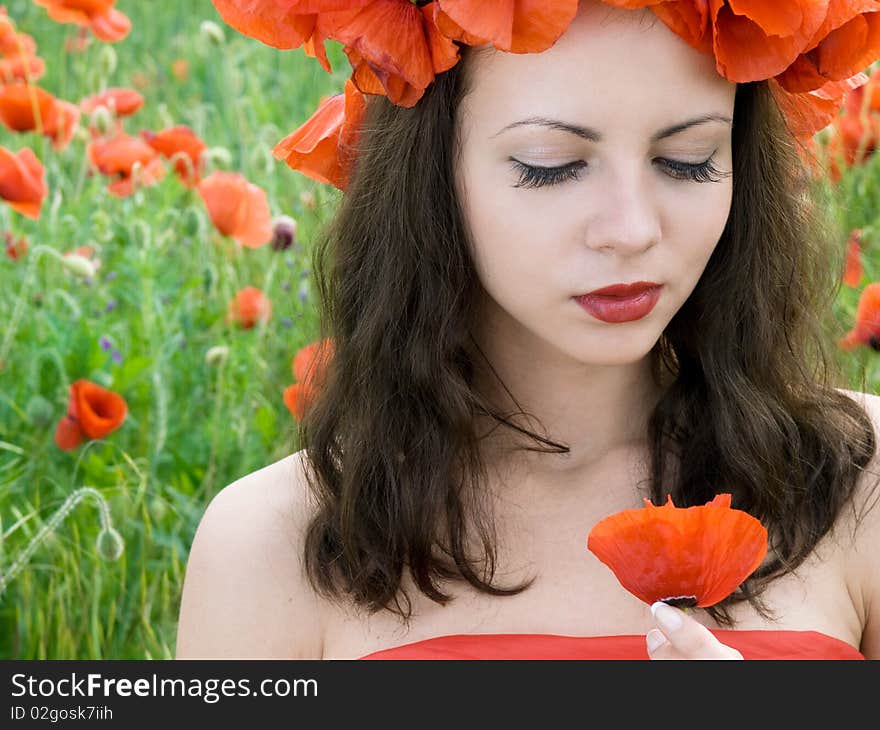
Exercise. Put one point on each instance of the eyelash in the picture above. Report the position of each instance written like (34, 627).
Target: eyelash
(532, 176)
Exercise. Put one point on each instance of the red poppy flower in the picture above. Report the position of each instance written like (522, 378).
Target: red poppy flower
(11, 41)
(847, 41)
(99, 16)
(691, 556)
(18, 54)
(807, 113)
(22, 181)
(853, 272)
(856, 97)
(179, 142)
(517, 26)
(121, 101)
(395, 49)
(117, 156)
(248, 307)
(93, 412)
(855, 136)
(866, 330)
(15, 249)
(323, 147)
(57, 118)
(309, 366)
(289, 24)
(238, 208)
(802, 42)
(21, 68)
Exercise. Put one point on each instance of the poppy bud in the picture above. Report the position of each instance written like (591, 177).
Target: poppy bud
(15, 249)
(107, 60)
(79, 265)
(101, 120)
(216, 155)
(217, 355)
(40, 412)
(283, 233)
(212, 32)
(109, 544)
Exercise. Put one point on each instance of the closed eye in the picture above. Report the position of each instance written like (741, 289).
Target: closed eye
(533, 176)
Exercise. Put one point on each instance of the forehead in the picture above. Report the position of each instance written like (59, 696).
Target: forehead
(612, 66)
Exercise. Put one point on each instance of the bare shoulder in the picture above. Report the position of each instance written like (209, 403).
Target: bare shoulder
(245, 594)
(862, 527)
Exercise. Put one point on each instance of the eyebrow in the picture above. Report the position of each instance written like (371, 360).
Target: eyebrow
(594, 136)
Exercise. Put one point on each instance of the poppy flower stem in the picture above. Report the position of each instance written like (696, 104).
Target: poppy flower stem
(30, 268)
(51, 525)
(206, 488)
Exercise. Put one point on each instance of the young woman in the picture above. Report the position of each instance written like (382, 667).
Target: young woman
(484, 407)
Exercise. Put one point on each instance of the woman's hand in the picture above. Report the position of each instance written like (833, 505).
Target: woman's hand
(678, 636)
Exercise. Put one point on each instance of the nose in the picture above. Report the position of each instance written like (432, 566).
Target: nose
(625, 215)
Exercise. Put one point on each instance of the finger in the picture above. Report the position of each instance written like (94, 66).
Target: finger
(658, 646)
(686, 637)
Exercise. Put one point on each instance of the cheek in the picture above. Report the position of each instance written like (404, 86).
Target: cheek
(696, 224)
(511, 242)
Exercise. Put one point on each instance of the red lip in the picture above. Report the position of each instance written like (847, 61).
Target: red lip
(621, 308)
(622, 290)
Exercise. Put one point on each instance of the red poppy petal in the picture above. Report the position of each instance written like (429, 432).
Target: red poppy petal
(68, 434)
(663, 552)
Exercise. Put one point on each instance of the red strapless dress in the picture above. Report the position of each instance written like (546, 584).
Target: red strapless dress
(757, 644)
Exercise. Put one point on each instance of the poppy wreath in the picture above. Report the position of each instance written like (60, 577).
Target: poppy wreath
(812, 51)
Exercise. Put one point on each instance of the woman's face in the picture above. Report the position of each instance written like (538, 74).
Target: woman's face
(620, 207)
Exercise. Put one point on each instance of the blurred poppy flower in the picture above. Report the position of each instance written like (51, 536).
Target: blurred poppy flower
(180, 69)
(866, 330)
(125, 159)
(691, 556)
(18, 54)
(22, 103)
(12, 42)
(87, 252)
(852, 274)
(309, 367)
(15, 249)
(121, 101)
(22, 181)
(237, 208)
(21, 68)
(78, 43)
(248, 307)
(323, 148)
(99, 16)
(182, 144)
(92, 412)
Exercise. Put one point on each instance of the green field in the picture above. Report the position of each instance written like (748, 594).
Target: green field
(160, 297)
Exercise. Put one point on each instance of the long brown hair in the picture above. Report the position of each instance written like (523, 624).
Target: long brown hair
(749, 405)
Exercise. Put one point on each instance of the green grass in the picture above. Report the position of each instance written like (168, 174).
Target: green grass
(192, 428)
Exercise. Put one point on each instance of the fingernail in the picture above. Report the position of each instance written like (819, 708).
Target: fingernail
(654, 639)
(667, 616)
